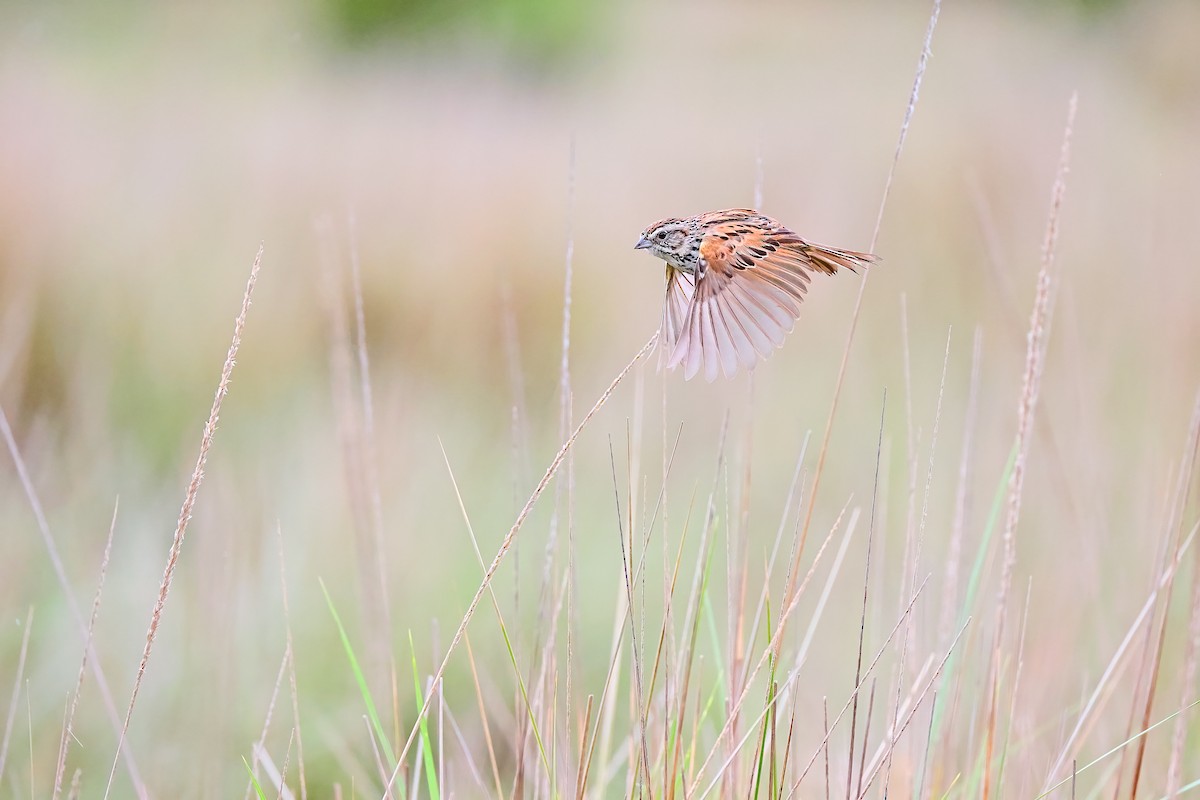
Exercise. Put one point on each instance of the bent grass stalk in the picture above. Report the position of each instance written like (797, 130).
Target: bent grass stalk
(67, 734)
(189, 502)
(1031, 381)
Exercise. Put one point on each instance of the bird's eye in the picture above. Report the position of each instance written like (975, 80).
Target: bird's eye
(660, 235)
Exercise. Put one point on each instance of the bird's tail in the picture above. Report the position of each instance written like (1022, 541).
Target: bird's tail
(829, 260)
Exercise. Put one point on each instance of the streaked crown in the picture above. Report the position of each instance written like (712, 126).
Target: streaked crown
(666, 239)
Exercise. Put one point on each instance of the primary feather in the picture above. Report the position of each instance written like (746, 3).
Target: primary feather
(735, 281)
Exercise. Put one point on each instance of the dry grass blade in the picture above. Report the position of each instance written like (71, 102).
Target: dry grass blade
(687, 654)
(67, 734)
(787, 750)
(897, 711)
(370, 464)
(16, 693)
(274, 776)
(29, 727)
(564, 422)
(633, 639)
(465, 748)
(291, 650)
(1192, 648)
(1148, 669)
(625, 615)
(790, 502)
(827, 590)
(922, 62)
(581, 774)
(564, 425)
(510, 537)
(1144, 672)
(283, 791)
(1012, 708)
(670, 590)
(1153, 672)
(483, 718)
(962, 495)
(773, 646)
(862, 624)
(920, 537)
(928, 749)
(794, 673)
(189, 501)
(914, 706)
(870, 668)
(348, 412)
(1030, 385)
(862, 758)
(910, 109)
(885, 750)
(1139, 735)
(1175, 769)
(261, 744)
(529, 707)
(825, 717)
(933, 439)
(60, 572)
(773, 744)
(1108, 678)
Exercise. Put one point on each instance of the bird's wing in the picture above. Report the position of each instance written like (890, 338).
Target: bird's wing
(751, 282)
(681, 288)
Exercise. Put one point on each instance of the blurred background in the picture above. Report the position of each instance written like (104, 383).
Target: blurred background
(450, 149)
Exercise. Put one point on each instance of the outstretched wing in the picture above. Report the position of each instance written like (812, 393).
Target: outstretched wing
(681, 287)
(753, 275)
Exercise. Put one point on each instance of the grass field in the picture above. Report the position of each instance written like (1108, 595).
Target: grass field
(940, 545)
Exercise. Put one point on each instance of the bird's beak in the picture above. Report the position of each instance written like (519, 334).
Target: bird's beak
(642, 244)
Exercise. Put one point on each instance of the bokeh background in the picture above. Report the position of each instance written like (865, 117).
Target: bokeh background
(452, 149)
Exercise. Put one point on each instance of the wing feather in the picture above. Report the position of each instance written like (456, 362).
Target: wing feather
(712, 344)
(753, 276)
(680, 288)
(744, 351)
(726, 330)
(757, 324)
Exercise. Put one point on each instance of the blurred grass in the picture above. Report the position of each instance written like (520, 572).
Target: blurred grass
(531, 33)
(146, 152)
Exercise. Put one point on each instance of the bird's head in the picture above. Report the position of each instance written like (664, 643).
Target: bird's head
(667, 240)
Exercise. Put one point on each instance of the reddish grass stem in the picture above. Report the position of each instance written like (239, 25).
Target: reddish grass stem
(922, 62)
(862, 624)
(189, 502)
(1035, 356)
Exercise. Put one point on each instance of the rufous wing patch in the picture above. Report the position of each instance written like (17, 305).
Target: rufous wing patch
(747, 297)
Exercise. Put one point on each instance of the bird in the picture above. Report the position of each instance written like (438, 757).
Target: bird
(735, 281)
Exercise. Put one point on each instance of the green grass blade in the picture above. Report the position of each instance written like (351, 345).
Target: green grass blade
(359, 678)
(431, 778)
(989, 530)
(950, 788)
(766, 725)
(257, 788)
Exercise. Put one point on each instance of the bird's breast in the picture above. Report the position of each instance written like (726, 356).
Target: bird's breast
(682, 262)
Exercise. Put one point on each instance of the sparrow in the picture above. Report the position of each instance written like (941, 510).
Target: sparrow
(735, 281)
